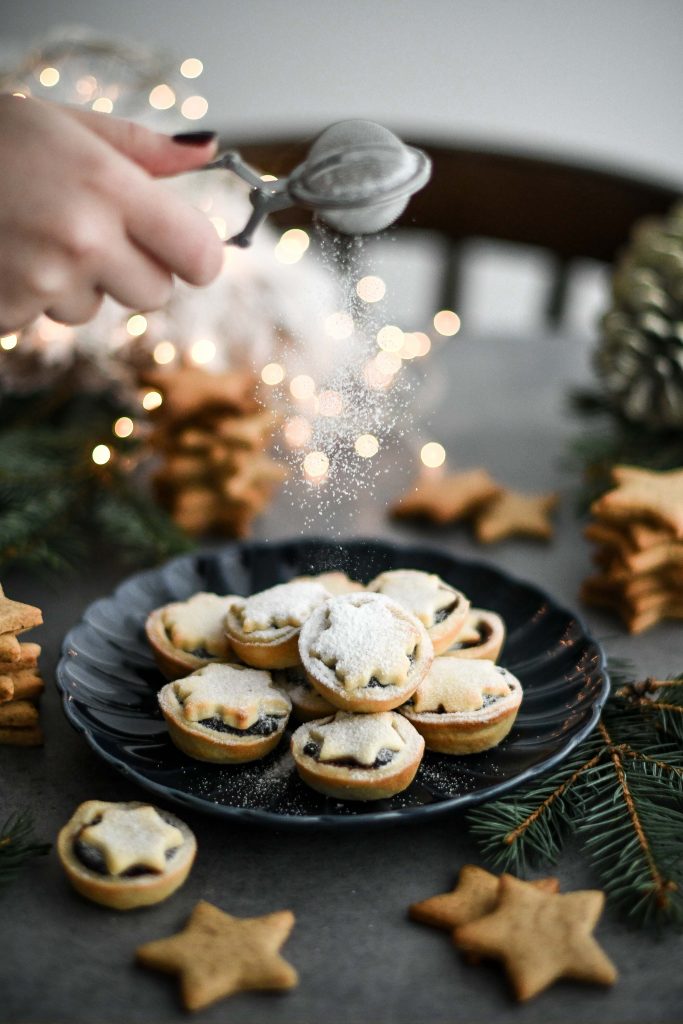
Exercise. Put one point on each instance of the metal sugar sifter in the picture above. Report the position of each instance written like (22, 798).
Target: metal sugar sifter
(357, 177)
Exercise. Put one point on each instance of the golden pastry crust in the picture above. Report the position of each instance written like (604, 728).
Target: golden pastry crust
(354, 781)
(489, 628)
(120, 892)
(274, 645)
(237, 746)
(173, 659)
(475, 729)
(370, 643)
(440, 607)
(307, 703)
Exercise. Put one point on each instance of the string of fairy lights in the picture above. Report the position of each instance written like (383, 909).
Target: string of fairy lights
(307, 399)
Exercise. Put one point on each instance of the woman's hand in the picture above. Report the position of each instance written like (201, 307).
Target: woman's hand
(82, 214)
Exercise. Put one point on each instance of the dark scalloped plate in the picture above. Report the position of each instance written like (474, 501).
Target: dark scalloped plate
(109, 683)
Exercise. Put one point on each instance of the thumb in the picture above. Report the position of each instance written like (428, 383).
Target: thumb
(160, 155)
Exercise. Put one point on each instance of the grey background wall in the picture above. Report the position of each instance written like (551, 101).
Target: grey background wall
(600, 80)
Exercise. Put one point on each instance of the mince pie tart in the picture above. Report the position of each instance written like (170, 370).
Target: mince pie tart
(264, 629)
(441, 609)
(125, 855)
(482, 636)
(336, 582)
(464, 706)
(225, 713)
(364, 652)
(358, 757)
(307, 703)
(186, 635)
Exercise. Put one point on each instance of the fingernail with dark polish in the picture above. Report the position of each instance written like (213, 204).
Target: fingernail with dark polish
(194, 138)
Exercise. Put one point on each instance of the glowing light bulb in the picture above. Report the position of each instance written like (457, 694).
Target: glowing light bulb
(203, 351)
(339, 326)
(447, 323)
(330, 403)
(316, 465)
(191, 68)
(297, 431)
(164, 352)
(103, 104)
(151, 400)
(366, 446)
(48, 77)
(101, 454)
(162, 97)
(9, 342)
(371, 289)
(194, 108)
(136, 325)
(433, 454)
(124, 426)
(272, 374)
(302, 387)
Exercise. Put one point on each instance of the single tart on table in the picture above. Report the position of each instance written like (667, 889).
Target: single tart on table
(441, 609)
(186, 635)
(464, 706)
(364, 652)
(358, 756)
(125, 855)
(227, 714)
(264, 629)
(482, 636)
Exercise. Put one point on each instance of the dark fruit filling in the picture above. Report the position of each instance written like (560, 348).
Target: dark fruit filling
(384, 756)
(443, 613)
(265, 726)
(201, 652)
(484, 631)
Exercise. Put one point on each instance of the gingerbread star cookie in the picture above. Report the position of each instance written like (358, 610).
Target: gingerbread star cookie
(475, 895)
(540, 937)
(16, 617)
(216, 955)
(512, 514)
(449, 498)
(644, 493)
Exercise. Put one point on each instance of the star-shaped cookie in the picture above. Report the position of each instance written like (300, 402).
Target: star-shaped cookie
(132, 837)
(216, 955)
(198, 622)
(458, 684)
(236, 694)
(475, 895)
(447, 499)
(512, 514)
(365, 640)
(644, 493)
(16, 617)
(356, 737)
(422, 593)
(190, 391)
(540, 937)
(287, 604)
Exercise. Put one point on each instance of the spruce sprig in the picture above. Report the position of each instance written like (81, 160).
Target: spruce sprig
(621, 793)
(18, 846)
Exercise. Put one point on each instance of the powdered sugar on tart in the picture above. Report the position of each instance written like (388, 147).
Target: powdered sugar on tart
(357, 738)
(452, 686)
(198, 623)
(422, 593)
(238, 695)
(288, 604)
(132, 837)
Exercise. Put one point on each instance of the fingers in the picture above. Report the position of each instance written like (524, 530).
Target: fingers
(178, 236)
(135, 279)
(160, 155)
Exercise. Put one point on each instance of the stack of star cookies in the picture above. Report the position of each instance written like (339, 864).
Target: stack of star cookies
(495, 512)
(637, 528)
(211, 435)
(20, 681)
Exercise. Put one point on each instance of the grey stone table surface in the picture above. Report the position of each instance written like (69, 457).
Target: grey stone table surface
(360, 960)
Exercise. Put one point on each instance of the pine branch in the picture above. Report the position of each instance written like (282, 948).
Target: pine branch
(18, 846)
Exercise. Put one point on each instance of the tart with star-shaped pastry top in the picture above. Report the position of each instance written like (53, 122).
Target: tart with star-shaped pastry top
(482, 636)
(464, 706)
(125, 855)
(225, 713)
(335, 581)
(307, 703)
(441, 609)
(364, 652)
(358, 756)
(264, 629)
(187, 635)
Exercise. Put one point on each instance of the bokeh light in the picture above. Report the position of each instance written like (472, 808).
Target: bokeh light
(101, 454)
(297, 431)
(151, 400)
(446, 323)
(194, 108)
(433, 454)
(272, 374)
(330, 403)
(316, 465)
(136, 325)
(191, 68)
(203, 351)
(49, 77)
(8, 342)
(124, 426)
(371, 288)
(390, 338)
(164, 352)
(302, 387)
(162, 97)
(366, 446)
